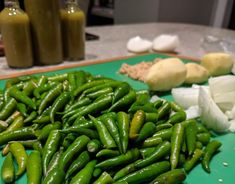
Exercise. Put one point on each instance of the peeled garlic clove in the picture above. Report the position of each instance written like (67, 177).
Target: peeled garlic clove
(166, 43)
(138, 45)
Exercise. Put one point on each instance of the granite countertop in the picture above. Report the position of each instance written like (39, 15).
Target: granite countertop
(113, 39)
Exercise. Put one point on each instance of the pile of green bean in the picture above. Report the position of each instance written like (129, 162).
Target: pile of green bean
(82, 128)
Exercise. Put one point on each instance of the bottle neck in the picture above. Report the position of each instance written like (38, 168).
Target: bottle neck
(11, 4)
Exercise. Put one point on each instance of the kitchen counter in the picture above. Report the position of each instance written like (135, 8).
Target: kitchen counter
(113, 39)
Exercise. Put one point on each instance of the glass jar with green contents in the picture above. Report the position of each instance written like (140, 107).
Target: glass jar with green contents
(15, 29)
(46, 30)
(73, 33)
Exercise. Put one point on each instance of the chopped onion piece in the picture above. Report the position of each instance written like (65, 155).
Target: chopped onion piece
(232, 125)
(224, 106)
(225, 100)
(185, 97)
(192, 112)
(231, 114)
(211, 115)
(222, 84)
(196, 86)
(224, 97)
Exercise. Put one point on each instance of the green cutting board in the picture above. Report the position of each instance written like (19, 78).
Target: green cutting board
(219, 172)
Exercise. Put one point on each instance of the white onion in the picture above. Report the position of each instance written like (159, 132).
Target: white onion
(225, 106)
(232, 125)
(185, 97)
(139, 45)
(231, 113)
(225, 100)
(222, 84)
(223, 91)
(211, 115)
(196, 86)
(166, 43)
(192, 112)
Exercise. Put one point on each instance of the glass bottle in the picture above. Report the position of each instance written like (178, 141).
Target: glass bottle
(46, 30)
(73, 31)
(15, 29)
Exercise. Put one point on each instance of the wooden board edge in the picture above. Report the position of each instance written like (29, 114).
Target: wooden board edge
(84, 63)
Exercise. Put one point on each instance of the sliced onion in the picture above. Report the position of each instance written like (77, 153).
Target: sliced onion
(222, 84)
(232, 125)
(223, 91)
(225, 100)
(185, 97)
(225, 106)
(231, 113)
(196, 86)
(211, 115)
(193, 112)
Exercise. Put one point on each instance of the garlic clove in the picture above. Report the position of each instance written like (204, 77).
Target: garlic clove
(139, 45)
(166, 43)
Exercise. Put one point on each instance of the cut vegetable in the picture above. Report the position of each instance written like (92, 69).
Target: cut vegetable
(211, 115)
(231, 114)
(222, 84)
(225, 101)
(232, 125)
(185, 97)
(193, 112)
(223, 91)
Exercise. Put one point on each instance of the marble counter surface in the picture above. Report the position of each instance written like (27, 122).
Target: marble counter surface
(113, 39)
